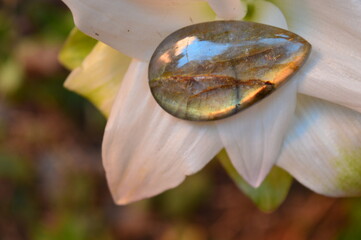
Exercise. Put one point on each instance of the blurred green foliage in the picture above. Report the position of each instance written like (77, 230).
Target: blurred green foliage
(52, 185)
(13, 167)
(180, 203)
(353, 228)
(11, 75)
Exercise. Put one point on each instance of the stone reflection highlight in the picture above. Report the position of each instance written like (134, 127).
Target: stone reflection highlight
(214, 70)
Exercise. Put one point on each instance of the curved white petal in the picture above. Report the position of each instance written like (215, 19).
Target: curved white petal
(323, 151)
(333, 28)
(254, 137)
(229, 9)
(136, 27)
(99, 76)
(267, 13)
(146, 150)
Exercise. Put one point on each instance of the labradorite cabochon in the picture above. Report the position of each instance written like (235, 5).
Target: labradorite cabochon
(213, 70)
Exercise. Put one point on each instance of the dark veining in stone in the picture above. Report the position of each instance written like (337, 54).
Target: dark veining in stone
(213, 70)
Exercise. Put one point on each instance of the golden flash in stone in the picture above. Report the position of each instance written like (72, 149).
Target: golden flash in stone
(213, 70)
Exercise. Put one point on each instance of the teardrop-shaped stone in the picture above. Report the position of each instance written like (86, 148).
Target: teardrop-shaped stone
(213, 70)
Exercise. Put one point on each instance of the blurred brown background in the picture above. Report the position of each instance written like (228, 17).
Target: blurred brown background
(52, 184)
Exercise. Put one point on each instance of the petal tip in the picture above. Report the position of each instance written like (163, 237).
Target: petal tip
(255, 180)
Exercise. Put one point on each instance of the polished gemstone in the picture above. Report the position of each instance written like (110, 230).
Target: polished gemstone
(213, 70)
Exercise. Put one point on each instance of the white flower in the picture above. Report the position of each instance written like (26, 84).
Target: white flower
(147, 151)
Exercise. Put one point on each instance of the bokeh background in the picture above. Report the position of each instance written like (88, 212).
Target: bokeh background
(52, 184)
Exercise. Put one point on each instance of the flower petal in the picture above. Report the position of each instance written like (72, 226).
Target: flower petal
(254, 137)
(323, 151)
(266, 13)
(147, 151)
(333, 28)
(136, 27)
(99, 76)
(229, 9)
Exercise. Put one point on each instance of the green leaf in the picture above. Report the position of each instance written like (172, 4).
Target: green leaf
(99, 76)
(272, 191)
(76, 48)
